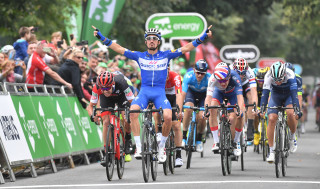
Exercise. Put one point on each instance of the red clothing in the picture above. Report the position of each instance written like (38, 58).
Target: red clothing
(86, 94)
(35, 70)
(173, 83)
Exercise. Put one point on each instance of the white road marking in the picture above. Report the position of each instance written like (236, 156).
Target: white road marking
(162, 183)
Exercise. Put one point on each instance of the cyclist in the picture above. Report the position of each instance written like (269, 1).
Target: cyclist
(260, 80)
(194, 87)
(111, 89)
(249, 87)
(225, 83)
(153, 64)
(173, 94)
(283, 86)
(305, 103)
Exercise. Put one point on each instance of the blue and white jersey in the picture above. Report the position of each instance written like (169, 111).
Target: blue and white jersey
(249, 77)
(233, 86)
(190, 81)
(288, 84)
(153, 67)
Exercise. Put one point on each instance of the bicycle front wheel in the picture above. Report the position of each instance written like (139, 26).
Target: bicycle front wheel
(224, 150)
(166, 163)
(154, 155)
(190, 144)
(146, 153)
(278, 149)
(172, 152)
(121, 160)
(285, 152)
(110, 153)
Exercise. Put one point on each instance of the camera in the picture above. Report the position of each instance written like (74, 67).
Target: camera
(59, 43)
(71, 37)
(82, 43)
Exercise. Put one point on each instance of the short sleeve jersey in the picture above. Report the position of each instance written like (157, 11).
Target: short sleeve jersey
(233, 86)
(190, 82)
(173, 84)
(121, 87)
(35, 70)
(248, 78)
(289, 83)
(153, 67)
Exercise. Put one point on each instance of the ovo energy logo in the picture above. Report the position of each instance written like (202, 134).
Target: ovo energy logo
(178, 25)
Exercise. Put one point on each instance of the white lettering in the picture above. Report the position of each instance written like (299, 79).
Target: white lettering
(240, 53)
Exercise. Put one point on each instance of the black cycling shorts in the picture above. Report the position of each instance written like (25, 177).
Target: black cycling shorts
(172, 100)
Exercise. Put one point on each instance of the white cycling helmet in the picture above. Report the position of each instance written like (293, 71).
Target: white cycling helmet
(278, 70)
(6, 48)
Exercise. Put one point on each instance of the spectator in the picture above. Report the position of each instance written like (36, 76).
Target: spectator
(33, 39)
(55, 37)
(31, 48)
(93, 63)
(70, 72)
(2, 58)
(102, 67)
(21, 46)
(8, 75)
(37, 67)
(9, 51)
(86, 93)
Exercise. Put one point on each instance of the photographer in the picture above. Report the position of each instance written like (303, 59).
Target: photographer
(8, 74)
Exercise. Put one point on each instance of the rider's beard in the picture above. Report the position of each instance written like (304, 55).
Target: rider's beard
(152, 48)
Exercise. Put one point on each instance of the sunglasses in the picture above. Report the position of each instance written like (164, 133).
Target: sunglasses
(106, 88)
(260, 80)
(200, 73)
(223, 80)
(154, 38)
(242, 72)
(80, 57)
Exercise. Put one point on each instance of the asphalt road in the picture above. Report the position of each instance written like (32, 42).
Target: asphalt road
(303, 171)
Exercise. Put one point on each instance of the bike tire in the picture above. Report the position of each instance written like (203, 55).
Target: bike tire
(224, 150)
(286, 152)
(110, 153)
(278, 150)
(242, 150)
(166, 163)
(263, 140)
(121, 161)
(145, 142)
(154, 155)
(190, 144)
(229, 151)
(172, 155)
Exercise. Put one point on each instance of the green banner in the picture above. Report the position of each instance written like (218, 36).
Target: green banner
(102, 14)
(92, 133)
(33, 130)
(74, 25)
(59, 138)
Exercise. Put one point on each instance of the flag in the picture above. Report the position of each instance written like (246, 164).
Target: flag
(101, 14)
(74, 25)
(194, 55)
(211, 54)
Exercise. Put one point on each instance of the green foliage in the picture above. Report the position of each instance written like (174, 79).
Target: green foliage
(48, 15)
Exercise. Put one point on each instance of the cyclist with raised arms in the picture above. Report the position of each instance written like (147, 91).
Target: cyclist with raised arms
(260, 80)
(153, 64)
(282, 84)
(249, 87)
(225, 83)
(111, 89)
(194, 87)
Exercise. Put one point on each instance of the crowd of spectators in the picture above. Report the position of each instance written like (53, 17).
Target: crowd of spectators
(35, 61)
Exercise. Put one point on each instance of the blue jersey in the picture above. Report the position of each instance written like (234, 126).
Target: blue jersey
(190, 81)
(299, 83)
(234, 85)
(153, 67)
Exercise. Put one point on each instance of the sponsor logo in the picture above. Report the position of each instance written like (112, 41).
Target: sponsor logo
(102, 10)
(166, 101)
(10, 131)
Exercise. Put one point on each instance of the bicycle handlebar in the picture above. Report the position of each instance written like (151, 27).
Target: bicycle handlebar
(223, 106)
(254, 106)
(194, 108)
(160, 110)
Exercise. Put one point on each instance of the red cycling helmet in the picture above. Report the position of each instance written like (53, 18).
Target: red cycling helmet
(240, 65)
(105, 79)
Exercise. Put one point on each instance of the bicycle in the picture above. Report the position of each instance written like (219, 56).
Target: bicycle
(169, 164)
(115, 148)
(149, 142)
(263, 139)
(192, 132)
(243, 137)
(226, 147)
(282, 140)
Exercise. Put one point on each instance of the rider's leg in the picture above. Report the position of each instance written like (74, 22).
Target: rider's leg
(106, 123)
(186, 119)
(250, 129)
(236, 126)
(273, 117)
(135, 126)
(292, 122)
(213, 121)
(201, 125)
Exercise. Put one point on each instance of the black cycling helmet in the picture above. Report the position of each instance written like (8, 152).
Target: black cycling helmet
(201, 66)
(152, 31)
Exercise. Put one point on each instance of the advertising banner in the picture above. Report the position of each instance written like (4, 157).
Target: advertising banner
(91, 132)
(249, 52)
(33, 130)
(11, 133)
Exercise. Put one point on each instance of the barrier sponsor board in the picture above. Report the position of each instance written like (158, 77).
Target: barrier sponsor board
(11, 133)
(249, 52)
(32, 128)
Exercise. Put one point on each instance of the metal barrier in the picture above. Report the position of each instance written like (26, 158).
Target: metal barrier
(51, 123)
